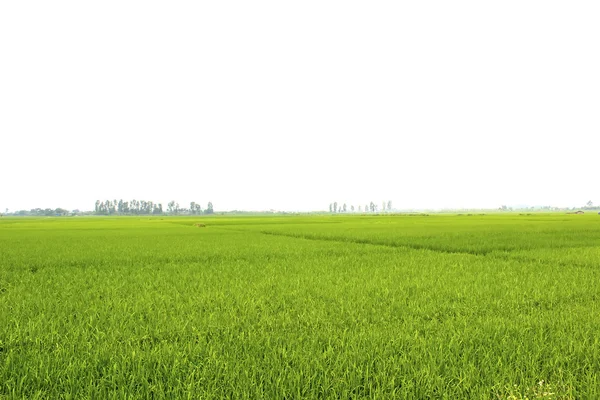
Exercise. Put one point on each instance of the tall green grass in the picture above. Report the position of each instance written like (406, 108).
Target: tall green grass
(301, 307)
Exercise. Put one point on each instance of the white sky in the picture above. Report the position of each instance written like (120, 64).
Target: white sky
(293, 105)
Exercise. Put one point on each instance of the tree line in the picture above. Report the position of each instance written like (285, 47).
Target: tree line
(41, 212)
(371, 207)
(144, 207)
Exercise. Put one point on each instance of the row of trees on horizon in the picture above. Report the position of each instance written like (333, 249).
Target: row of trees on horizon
(42, 212)
(371, 207)
(143, 207)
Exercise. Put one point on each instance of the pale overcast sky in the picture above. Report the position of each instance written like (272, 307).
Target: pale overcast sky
(286, 105)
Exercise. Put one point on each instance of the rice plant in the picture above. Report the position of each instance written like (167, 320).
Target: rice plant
(446, 306)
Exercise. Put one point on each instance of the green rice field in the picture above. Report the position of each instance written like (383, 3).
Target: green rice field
(496, 306)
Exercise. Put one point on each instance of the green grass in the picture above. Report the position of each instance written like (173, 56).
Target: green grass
(440, 306)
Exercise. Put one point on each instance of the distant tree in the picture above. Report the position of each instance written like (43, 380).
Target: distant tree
(372, 207)
(383, 206)
(193, 207)
(359, 208)
(335, 207)
(389, 205)
(352, 208)
(344, 207)
(589, 204)
(330, 207)
(170, 206)
(209, 208)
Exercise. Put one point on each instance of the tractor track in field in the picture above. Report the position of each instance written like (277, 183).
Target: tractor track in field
(360, 241)
(495, 254)
(376, 243)
(505, 256)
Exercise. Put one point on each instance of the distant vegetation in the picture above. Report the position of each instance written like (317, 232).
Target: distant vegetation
(121, 207)
(38, 212)
(371, 207)
(143, 207)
